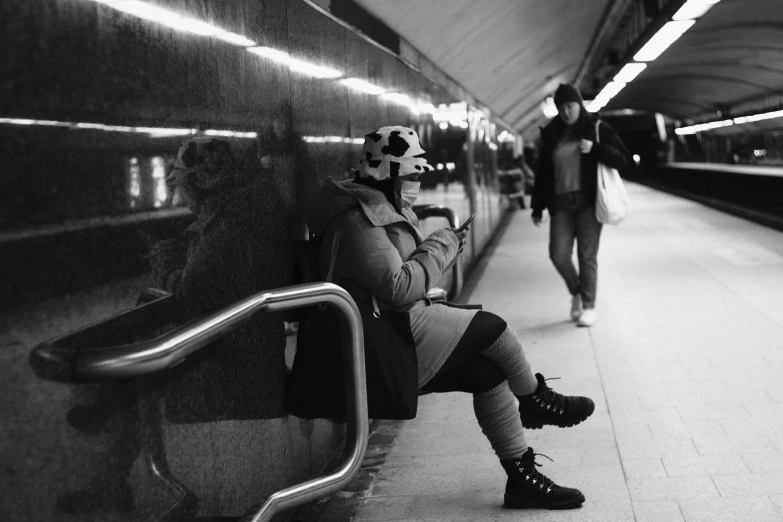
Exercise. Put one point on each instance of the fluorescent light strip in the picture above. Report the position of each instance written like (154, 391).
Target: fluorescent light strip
(693, 9)
(154, 132)
(666, 36)
(176, 21)
(360, 85)
(293, 64)
(629, 72)
(759, 117)
(333, 139)
(405, 101)
(693, 129)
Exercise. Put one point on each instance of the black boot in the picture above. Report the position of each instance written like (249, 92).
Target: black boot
(529, 488)
(546, 406)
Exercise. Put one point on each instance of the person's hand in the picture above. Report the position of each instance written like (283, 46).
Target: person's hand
(462, 233)
(462, 236)
(537, 220)
(586, 146)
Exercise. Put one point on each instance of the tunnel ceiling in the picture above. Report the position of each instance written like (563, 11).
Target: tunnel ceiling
(511, 54)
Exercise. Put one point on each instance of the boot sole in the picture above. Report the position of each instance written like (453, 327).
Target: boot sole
(536, 423)
(524, 503)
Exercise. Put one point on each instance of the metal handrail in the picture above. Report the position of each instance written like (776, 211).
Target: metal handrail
(425, 211)
(132, 360)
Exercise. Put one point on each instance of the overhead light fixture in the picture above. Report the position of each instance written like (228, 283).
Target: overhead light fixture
(693, 129)
(176, 21)
(629, 72)
(293, 64)
(405, 101)
(153, 132)
(333, 139)
(548, 107)
(759, 117)
(666, 36)
(693, 9)
(362, 86)
(230, 134)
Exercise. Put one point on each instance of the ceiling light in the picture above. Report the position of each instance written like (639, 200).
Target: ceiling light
(230, 134)
(294, 64)
(666, 36)
(548, 107)
(759, 117)
(693, 9)
(362, 86)
(610, 90)
(175, 21)
(404, 100)
(629, 72)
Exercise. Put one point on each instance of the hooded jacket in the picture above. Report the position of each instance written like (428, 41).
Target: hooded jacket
(230, 255)
(609, 150)
(382, 253)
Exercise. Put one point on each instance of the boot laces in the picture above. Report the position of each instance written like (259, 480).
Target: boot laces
(551, 400)
(538, 479)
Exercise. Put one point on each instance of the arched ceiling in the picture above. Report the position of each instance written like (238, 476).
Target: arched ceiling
(511, 54)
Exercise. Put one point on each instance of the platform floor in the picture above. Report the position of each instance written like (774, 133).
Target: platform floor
(685, 365)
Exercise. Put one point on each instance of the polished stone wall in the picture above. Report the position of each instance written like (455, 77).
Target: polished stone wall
(94, 104)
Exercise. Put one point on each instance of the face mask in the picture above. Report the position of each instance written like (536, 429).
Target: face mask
(409, 192)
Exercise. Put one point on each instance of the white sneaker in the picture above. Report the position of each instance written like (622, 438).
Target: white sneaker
(576, 307)
(588, 317)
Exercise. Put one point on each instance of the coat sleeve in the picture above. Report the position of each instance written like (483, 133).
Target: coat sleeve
(367, 255)
(220, 269)
(609, 150)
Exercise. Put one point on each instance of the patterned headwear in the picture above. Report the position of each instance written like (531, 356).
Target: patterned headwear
(204, 162)
(390, 152)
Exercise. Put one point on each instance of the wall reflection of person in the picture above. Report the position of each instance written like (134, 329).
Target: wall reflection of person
(227, 254)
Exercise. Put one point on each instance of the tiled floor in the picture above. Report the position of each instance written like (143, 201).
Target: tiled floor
(685, 366)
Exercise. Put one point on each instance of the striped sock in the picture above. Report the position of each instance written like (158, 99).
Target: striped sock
(507, 353)
(496, 411)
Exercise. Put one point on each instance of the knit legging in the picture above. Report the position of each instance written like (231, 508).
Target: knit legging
(494, 374)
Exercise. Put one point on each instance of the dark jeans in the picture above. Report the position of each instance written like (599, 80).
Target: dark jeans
(573, 217)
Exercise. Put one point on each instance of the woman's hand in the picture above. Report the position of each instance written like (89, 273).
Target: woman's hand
(462, 235)
(586, 146)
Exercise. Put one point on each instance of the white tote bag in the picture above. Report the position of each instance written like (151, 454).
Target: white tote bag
(611, 202)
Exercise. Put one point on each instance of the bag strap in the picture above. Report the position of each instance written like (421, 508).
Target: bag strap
(376, 312)
(597, 133)
(335, 246)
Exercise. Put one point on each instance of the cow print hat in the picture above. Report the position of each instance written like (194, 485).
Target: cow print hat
(205, 163)
(390, 152)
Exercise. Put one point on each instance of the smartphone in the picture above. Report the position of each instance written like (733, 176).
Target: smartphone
(467, 222)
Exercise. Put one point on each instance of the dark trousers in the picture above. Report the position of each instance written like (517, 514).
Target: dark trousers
(573, 218)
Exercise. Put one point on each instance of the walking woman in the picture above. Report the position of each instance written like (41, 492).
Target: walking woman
(566, 185)
(384, 259)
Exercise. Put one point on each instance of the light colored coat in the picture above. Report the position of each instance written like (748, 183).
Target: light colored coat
(383, 253)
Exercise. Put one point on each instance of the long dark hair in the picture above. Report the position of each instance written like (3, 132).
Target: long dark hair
(578, 128)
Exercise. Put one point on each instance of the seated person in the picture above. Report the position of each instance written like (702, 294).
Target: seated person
(383, 256)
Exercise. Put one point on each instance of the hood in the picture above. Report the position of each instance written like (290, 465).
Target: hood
(335, 197)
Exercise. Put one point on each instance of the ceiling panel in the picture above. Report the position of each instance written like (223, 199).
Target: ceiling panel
(511, 54)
